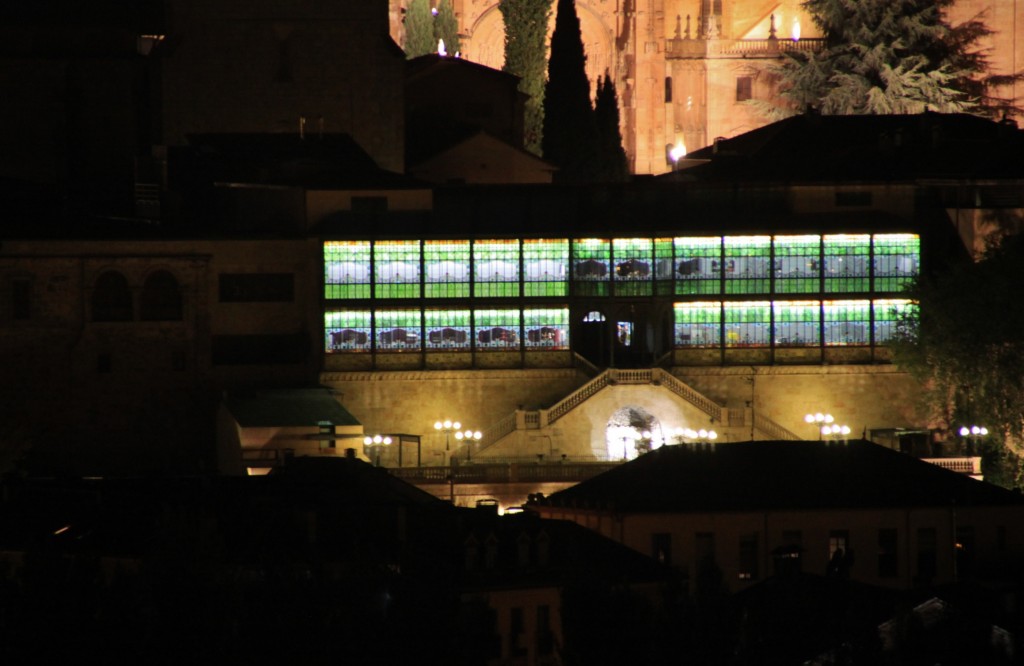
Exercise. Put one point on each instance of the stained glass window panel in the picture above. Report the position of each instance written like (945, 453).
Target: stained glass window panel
(664, 271)
(897, 260)
(545, 267)
(398, 330)
(797, 264)
(496, 268)
(348, 330)
(888, 313)
(698, 324)
(847, 322)
(698, 265)
(634, 258)
(496, 329)
(346, 269)
(546, 328)
(447, 330)
(396, 269)
(748, 324)
(446, 269)
(591, 266)
(847, 263)
(797, 323)
(746, 264)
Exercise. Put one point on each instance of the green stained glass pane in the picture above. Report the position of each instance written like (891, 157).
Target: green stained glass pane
(591, 266)
(447, 330)
(664, 272)
(698, 324)
(897, 259)
(887, 315)
(847, 263)
(545, 267)
(396, 269)
(746, 264)
(747, 324)
(546, 328)
(348, 330)
(797, 323)
(847, 323)
(496, 268)
(697, 265)
(496, 329)
(797, 264)
(398, 330)
(634, 261)
(346, 269)
(446, 269)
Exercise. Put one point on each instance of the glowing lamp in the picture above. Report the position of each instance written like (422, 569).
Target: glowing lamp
(677, 151)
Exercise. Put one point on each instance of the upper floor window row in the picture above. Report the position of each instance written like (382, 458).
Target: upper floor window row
(711, 265)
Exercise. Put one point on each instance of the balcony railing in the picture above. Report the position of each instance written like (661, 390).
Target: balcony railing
(739, 48)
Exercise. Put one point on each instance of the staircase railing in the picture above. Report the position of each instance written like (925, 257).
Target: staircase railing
(772, 429)
(684, 391)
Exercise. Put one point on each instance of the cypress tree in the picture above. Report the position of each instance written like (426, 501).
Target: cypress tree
(526, 30)
(419, 29)
(446, 27)
(612, 162)
(570, 133)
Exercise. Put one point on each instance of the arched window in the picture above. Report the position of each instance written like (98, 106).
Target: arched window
(161, 298)
(112, 298)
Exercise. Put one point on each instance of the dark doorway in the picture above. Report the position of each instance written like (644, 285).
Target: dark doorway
(591, 338)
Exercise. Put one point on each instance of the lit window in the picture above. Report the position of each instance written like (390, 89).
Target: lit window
(633, 263)
(897, 258)
(446, 266)
(347, 330)
(496, 329)
(546, 328)
(847, 322)
(847, 259)
(797, 323)
(347, 269)
(748, 324)
(396, 269)
(496, 268)
(797, 264)
(591, 265)
(698, 265)
(545, 267)
(746, 264)
(447, 330)
(698, 324)
(888, 315)
(398, 330)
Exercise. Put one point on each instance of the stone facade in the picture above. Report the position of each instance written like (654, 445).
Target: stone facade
(684, 67)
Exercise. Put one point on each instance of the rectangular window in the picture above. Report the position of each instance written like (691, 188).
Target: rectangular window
(591, 265)
(744, 88)
(259, 349)
(668, 89)
(888, 560)
(698, 324)
(927, 554)
(446, 267)
(698, 265)
(797, 323)
(746, 264)
(797, 264)
(847, 260)
(347, 269)
(496, 329)
(897, 258)
(347, 331)
(447, 330)
(21, 299)
(398, 330)
(545, 267)
(838, 543)
(496, 268)
(748, 324)
(256, 287)
(546, 328)
(396, 269)
(516, 631)
(847, 322)
(661, 547)
(634, 258)
(748, 557)
(888, 315)
(663, 269)
(545, 637)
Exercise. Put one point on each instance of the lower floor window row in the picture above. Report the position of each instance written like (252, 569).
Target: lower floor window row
(446, 330)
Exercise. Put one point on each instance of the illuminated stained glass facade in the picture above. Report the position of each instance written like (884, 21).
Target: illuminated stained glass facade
(466, 295)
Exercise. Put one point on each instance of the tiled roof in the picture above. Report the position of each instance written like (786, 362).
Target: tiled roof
(778, 475)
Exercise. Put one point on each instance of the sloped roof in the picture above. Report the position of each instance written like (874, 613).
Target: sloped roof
(286, 408)
(778, 475)
(874, 148)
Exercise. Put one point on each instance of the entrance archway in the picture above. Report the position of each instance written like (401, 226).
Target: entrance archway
(632, 431)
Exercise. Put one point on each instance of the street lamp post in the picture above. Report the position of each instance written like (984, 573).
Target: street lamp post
(818, 421)
(377, 442)
(470, 437)
(447, 427)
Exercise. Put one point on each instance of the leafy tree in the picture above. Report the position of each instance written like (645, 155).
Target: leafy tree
(612, 163)
(890, 56)
(419, 29)
(446, 27)
(570, 131)
(966, 345)
(526, 29)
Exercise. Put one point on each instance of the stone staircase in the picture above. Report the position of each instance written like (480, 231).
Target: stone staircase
(541, 418)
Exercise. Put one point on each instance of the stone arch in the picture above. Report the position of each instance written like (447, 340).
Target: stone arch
(112, 298)
(161, 297)
(632, 431)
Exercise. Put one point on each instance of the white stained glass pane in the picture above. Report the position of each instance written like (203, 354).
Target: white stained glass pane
(496, 329)
(847, 322)
(347, 330)
(797, 323)
(546, 328)
(447, 330)
(698, 324)
(398, 329)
